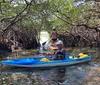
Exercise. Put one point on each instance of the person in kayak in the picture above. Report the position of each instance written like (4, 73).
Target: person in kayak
(59, 53)
(53, 35)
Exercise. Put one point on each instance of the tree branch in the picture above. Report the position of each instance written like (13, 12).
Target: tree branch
(16, 18)
(64, 20)
(64, 15)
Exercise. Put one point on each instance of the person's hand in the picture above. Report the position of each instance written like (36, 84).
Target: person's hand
(44, 53)
(47, 53)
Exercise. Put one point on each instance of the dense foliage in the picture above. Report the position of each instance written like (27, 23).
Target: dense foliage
(24, 19)
(43, 14)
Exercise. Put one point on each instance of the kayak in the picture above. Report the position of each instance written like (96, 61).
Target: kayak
(52, 46)
(43, 62)
(49, 45)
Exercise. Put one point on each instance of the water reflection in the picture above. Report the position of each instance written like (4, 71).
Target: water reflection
(59, 74)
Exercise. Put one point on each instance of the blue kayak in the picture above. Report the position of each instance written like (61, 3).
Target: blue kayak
(33, 62)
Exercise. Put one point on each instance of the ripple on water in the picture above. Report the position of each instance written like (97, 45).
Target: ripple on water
(68, 75)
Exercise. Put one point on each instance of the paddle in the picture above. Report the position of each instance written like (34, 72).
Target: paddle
(46, 41)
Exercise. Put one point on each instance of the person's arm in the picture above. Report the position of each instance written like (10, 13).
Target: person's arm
(48, 53)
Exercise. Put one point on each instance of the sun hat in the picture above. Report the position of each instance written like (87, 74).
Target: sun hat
(59, 42)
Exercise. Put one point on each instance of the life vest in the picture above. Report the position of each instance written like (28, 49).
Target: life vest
(52, 43)
(60, 55)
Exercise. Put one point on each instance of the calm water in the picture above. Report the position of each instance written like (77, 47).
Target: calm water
(81, 74)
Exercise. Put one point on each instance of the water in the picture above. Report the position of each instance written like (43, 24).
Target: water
(82, 74)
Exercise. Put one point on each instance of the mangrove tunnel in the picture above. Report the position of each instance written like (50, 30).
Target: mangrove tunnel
(27, 39)
(76, 22)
